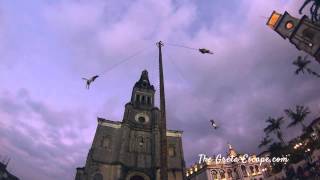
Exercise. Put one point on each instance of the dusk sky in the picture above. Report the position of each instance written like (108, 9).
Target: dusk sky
(48, 118)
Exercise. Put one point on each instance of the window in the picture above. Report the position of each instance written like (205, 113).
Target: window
(222, 174)
(229, 171)
(273, 20)
(143, 100)
(308, 33)
(142, 119)
(251, 170)
(141, 141)
(105, 143)
(137, 98)
(257, 168)
(244, 171)
(171, 151)
(98, 176)
(214, 174)
(148, 100)
(236, 172)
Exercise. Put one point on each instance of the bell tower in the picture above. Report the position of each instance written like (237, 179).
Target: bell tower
(302, 33)
(141, 112)
(143, 93)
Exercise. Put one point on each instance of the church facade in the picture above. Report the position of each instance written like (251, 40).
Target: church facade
(130, 150)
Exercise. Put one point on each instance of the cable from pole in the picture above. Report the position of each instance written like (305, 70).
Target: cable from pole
(177, 68)
(124, 60)
(182, 46)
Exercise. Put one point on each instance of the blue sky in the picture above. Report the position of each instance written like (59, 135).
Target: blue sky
(48, 118)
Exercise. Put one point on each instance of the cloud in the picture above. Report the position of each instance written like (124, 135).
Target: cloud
(41, 138)
(48, 118)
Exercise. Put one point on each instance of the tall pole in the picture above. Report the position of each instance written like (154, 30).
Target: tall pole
(163, 124)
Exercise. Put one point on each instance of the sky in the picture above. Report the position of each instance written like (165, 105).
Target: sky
(48, 118)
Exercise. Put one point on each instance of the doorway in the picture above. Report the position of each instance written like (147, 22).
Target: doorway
(136, 177)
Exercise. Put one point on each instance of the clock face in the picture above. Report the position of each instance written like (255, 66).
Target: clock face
(142, 118)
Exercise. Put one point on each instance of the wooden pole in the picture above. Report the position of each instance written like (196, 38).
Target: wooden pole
(163, 124)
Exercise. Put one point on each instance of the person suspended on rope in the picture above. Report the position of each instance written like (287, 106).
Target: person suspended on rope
(213, 124)
(90, 80)
(205, 51)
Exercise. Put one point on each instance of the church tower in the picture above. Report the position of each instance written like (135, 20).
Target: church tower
(304, 34)
(130, 150)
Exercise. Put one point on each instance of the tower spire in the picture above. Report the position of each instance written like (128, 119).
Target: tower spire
(143, 92)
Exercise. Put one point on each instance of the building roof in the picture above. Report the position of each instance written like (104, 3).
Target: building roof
(144, 82)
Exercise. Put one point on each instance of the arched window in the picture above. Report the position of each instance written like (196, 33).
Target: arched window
(141, 141)
(138, 98)
(214, 174)
(257, 169)
(222, 174)
(98, 176)
(244, 171)
(172, 151)
(105, 143)
(236, 172)
(143, 100)
(229, 171)
(148, 100)
(251, 170)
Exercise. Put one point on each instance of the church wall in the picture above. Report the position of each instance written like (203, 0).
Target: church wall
(105, 143)
(175, 161)
(134, 152)
(175, 175)
(108, 172)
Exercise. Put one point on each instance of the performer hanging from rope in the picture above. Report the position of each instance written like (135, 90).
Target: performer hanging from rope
(90, 80)
(213, 124)
(205, 51)
(201, 50)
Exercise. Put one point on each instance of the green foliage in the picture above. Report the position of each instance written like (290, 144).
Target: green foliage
(297, 116)
(294, 153)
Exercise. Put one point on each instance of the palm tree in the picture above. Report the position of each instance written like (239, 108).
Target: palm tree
(302, 65)
(313, 10)
(277, 149)
(274, 126)
(265, 141)
(297, 116)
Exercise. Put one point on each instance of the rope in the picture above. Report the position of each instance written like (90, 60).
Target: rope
(177, 69)
(124, 60)
(182, 46)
